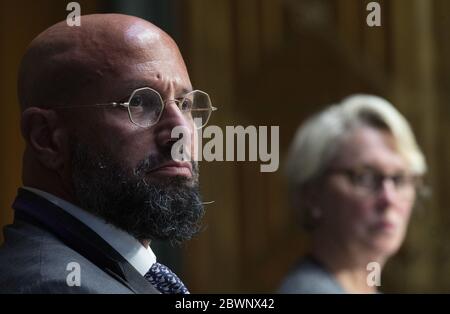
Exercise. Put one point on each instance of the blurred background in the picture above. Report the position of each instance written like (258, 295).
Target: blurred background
(275, 62)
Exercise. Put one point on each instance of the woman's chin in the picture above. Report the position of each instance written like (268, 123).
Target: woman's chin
(386, 246)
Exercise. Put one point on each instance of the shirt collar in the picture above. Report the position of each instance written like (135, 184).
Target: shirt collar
(130, 248)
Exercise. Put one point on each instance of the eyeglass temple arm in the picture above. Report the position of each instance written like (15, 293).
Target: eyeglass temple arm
(205, 109)
(115, 104)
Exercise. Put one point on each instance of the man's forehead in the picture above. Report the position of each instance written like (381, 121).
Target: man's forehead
(178, 89)
(147, 40)
(162, 76)
(142, 34)
(149, 58)
(161, 68)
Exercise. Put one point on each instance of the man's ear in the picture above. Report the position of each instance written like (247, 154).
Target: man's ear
(45, 137)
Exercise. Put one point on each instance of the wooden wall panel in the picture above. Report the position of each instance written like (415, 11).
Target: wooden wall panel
(309, 68)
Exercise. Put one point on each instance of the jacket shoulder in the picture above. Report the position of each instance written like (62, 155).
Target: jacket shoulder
(32, 260)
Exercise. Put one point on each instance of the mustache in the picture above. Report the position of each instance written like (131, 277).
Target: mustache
(151, 162)
(155, 161)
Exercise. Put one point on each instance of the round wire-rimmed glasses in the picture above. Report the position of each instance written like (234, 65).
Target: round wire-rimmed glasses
(145, 107)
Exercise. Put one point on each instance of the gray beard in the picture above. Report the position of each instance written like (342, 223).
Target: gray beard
(168, 209)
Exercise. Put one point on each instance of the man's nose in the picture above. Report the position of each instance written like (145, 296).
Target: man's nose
(171, 117)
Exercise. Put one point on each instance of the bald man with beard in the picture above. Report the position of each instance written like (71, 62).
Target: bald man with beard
(98, 105)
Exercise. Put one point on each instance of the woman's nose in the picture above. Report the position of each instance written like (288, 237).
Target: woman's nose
(387, 193)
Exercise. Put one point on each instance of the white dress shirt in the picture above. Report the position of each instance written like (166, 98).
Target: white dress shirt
(130, 248)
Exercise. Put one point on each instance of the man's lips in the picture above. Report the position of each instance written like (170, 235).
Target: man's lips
(174, 168)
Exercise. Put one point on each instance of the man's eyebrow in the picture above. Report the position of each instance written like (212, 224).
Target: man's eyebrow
(130, 87)
(184, 91)
(124, 95)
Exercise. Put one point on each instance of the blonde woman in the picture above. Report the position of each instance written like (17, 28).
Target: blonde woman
(353, 172)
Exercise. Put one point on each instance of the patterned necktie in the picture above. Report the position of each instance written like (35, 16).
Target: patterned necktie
(165, 280)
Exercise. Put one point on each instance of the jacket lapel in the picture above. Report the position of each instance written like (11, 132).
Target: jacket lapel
(37, 210)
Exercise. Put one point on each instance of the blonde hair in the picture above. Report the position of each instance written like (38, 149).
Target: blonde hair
(316, 141)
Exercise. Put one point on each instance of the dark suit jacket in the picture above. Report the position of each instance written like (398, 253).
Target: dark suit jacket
(44, 240)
